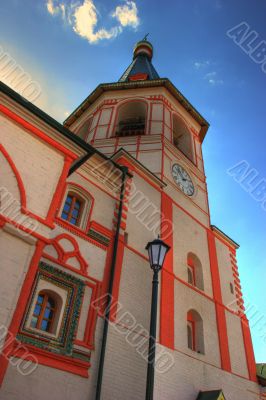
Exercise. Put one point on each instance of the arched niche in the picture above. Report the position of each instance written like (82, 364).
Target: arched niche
(182, 137)
(131, 119)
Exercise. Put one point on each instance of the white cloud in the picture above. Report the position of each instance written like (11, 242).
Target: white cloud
(201, 64)
(83, 18)
(53, 9)
(211, 77)
(85, 21)
(127, 15)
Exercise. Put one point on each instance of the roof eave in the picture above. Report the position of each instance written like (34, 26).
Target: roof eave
(104, 87)
(220, 233)
(53, 123)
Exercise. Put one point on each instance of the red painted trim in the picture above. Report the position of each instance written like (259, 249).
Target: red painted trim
(64, 256)
(43, 136)
(101, 229)
(138, 77)
(49, 359)
(92, 317)
(27, 230)
(137, 252)
(20, 307)
(17, 175)
(110, 122)
(57, 197)
(78, 232)
(251, 363)
(140, 48)
(167, 311)
(96, 125)
(220, 311)
(22, 191)
(117, 277)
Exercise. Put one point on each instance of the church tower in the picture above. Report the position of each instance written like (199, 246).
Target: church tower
(79, 203)
(144, 122)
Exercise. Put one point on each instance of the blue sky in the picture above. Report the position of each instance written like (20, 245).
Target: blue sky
(69, 55)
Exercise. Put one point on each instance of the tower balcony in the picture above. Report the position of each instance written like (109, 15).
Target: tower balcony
(131, 127)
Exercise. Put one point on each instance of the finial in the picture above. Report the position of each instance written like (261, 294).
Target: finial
(145, 37)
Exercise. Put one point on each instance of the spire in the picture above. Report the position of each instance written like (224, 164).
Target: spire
(141, 67)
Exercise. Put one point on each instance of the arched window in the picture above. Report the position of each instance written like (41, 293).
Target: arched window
(194, 271)
(182, 137)
(131, 119)
(77, 206)
(72, 208)
(195, 336)
(84, 130)
(44, 312)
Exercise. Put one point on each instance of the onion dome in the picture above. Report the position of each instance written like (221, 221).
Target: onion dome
(141, 68)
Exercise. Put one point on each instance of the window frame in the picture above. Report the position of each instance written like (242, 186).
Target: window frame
(196, 268)
(74, 199)
(47, 297)
(86, 208)
(196, 325)
(67, 291)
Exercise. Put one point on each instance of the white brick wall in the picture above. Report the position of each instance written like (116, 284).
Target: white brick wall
(39, 165)
(15, 256)
(236, 345)
(187, 377)
(190, 237)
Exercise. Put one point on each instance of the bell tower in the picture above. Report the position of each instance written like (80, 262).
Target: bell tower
(143, 121)
(149, 119)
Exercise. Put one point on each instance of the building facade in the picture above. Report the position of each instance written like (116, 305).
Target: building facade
(79, 203)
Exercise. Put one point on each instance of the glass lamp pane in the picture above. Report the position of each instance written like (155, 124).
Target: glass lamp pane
(150, 254)
(155, 254)
(162, 254)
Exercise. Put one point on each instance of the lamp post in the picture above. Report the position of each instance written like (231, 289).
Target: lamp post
(157, 250)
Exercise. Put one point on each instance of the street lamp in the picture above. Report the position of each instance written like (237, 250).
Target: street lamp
(157, 250)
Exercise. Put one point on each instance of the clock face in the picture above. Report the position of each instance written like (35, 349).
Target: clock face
(183, 180)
